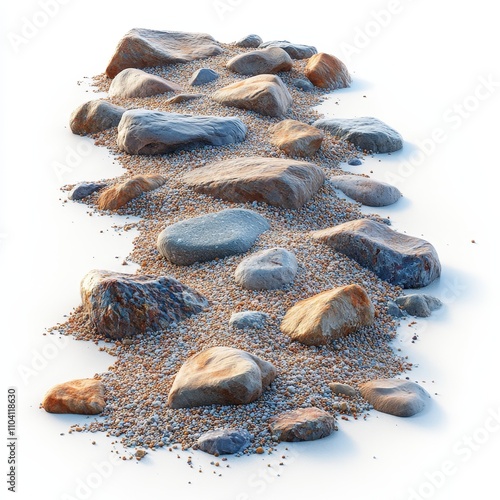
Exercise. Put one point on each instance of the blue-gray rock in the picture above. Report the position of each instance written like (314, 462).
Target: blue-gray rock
(224, 441)
(202, 76)
(84, 189)
(394, 310)
(248, 319)
(294, 50)
(141, 131)
(355, 162)
(366, 133)
(249, 42)
(211, 236)
(95, 116)
(419, 305)
(303, 84)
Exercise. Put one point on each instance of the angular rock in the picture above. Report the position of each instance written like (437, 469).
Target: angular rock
(267, 270)
(303, 424)
(119, 195)
(419, 305)
(329, 315)
(82, 396)
(84, 189)
(394, 310)
(224, 441)
(264, 94)
(95, 116)
(123, 305)
(203, 76)
(132, 82)
(211, 236)
(142, 48)
(222, 376)
(367, 191)
(261, 62)
(342, 389)
(398, 397)
(154, 132)
(366, 133)
(296, 138)
(355, 162)
(400, 259)
(248, 319)
(249, 42)
(182, 98)
(294, 50)
(303, 84)
(276, 181)
(327, 72)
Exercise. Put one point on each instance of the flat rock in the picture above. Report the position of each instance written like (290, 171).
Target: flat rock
(222, 376)
(398, 397)
(211, 236)
(294, 50)
(176, 99)
(84, 189)
(82, 396)
(132, 82)
(419, 305)
(249, 42)
(303, 424)
(303, 84)
(366, 133)
(329, 315)
(267, 269)
(342, 389)
(142, 48)
(203, 76)
(366, 191)
(154, 132)
(95, 116)
(224, 441)
(327, 71)
(398, 258)
(123, 305)
(249, 319)
(264, 94)
(296, 138)
(261, 62)
(276, 181)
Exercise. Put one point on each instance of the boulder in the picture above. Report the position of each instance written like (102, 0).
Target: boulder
(366, 133)
(224, 441)
(276, 181)
(294, 50)
(133, 82)
(303, 424)
(267, 270)
(419, 305)
(327, 72)
(222, 376)
(84, 189)
(177, 99)
(296, 138)
(203, 76)
(142, 48)
(400, 259)
(398, 397)
(83, 396)
(264, 94)
(211, 236)
(261, 62)
(249, 42)
(342, 389)
(95, 116)
(248, 319)
(303, 84)
(123, 305)
(329, 315)
(155, 132)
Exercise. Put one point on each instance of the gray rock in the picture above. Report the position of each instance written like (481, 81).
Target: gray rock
(249, 42)
(355, 162)
(84, 189)
(132, 82)
(294, 50)
(394, 310)
(419, 305)
(248, 319)
(154, 132)
(203, 76)
(303, 84)
(224, 441)
(260, 62)
(95, 116)
(210, 236)
(367, 133)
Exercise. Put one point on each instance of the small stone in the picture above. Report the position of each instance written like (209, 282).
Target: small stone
(355, 162)
(342, 389)
(84, 189)
(224, 441)
(82, 396)
(261, 62)
(249, 42)
(419, 305)
(140, 454)
(303, 84)
(249, 319)
(132, 82)
(259, 450)
(203, 76)
(394, 310)
(294, 50)
(296, 138)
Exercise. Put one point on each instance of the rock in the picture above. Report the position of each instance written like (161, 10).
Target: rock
(327, 72)
(394, 257)
(222, 376)
(95, 116)
(366, 133)
(84, 189)
(154, 132)
(141, 48)
(264, 94)
(329, 315)
(367, 191)
(224, 441)
(248, 319)
(83, 396)
(394, 310)
(296, 138)
(342, 389)
(119, 195)
(133, 82)
(249, 42)
(276, 181)
(303, 424)
(123, 305)
(267, 270)
(182, 98)
(211, 236)
(261, 62)
(294, 50)
(303, 84)
(355, 162)
(203, 76)
(395, 396)
(419, 305)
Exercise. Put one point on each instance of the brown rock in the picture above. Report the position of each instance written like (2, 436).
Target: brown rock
(182, 98)
(133, 82)
(296, 138)
(342, 389)
(259, 62)
(84, 396)
(327, 71)
(95, 116)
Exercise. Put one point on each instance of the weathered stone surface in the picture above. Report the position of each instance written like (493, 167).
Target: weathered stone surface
(220, 375)
(176, 99)
(419, 305)
(327, 71)
(132, 82)
(397, 258)
(329, 315)
(366, 133)
(154, 132)
(248, 319)
(123, 305)
(264, 94)
(276, 181)
(303, 424)
(95, 116)
(261, 62)
(119, 195)
(249, 42)
(367, 191)
(82, 396)
(211, 236)
(355, 162)
(294, 50)
(395, 396)
(84, 189)
(303, 84)
(141, 48)
(203, 76)
(394, 310)
(267, 270)
(296, 138)
(224, 441)
(342, 389)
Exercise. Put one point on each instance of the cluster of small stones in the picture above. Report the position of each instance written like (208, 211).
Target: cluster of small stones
(138, 383)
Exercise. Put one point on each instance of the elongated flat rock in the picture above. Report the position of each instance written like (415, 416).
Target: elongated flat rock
(294, 50)
(296, 138)
(132, 82)
(259, 62)
(82, 396)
